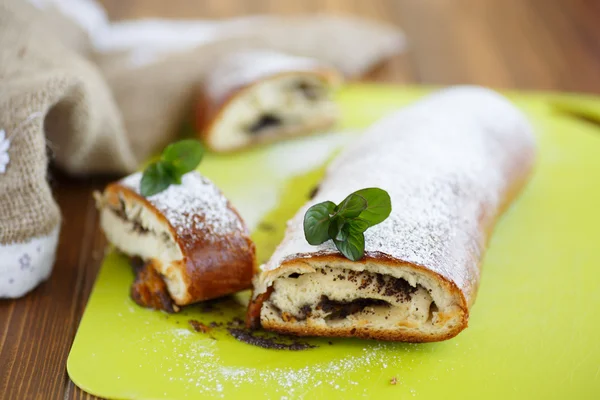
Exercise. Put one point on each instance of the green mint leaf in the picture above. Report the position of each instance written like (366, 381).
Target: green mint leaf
(338, 229)
(156, 178)
(316, 222)
(346, 223)
(379, 205)
(353, 248)
(352, 206)
(174, 175)
(358, 224)
(184, 155)
(177, 159)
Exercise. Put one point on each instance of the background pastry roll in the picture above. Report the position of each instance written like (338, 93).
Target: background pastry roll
(451, 164)
(258, 96)
(191, 244)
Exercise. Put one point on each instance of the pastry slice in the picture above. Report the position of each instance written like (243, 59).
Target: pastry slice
(192, 243)
(260, 96)
(451, 164)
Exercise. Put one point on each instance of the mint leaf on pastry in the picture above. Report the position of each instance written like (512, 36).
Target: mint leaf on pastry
(184, 155)
(316, 222)
(157, 177)
(346, 223)
(378, 207)
(176, 160)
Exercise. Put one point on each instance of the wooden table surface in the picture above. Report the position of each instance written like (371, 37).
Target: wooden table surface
(524, 44)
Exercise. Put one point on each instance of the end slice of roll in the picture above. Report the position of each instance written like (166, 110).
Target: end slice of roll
(193, 244)
(374, 298)
(451, 164)
(259, 96)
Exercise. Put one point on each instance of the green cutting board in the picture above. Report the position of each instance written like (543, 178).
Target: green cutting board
(533, 332)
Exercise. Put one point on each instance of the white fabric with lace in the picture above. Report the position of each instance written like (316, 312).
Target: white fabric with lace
(24, 265)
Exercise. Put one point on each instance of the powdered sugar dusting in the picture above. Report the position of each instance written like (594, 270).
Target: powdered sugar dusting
(202, 370)
(448, 163)
(195, 207)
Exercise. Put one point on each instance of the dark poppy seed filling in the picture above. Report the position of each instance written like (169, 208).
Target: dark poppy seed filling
(332, 295)
(308, 90)
(340, 309)
(272, 343)
(265, 122)
(310, 93)
(135, 224)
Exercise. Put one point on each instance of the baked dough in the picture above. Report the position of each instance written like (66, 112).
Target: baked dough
(258, 96)
(189, 236)
(451, 164)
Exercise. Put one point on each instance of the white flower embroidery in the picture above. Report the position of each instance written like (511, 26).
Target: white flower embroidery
(4, 145)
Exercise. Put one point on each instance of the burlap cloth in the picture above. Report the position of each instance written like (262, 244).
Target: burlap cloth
(40, 76)
(82, 97)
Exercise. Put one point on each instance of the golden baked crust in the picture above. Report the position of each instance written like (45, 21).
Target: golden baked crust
(211, 265)
(363, 332)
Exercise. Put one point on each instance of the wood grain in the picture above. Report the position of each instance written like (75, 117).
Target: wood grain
(525, 44)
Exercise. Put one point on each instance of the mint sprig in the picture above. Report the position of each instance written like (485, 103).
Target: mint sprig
(346, 223)
(176, 160)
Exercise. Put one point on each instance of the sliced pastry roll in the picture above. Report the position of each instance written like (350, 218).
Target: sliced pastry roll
(189, 243)
(451, 164)
(259, 96)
